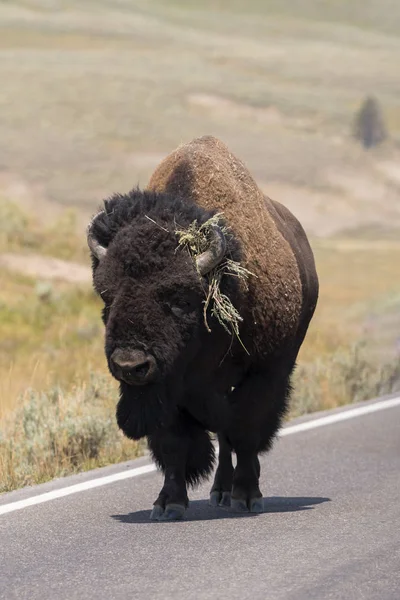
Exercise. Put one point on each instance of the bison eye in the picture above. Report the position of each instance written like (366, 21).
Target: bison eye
(178, 311)
(178, 308)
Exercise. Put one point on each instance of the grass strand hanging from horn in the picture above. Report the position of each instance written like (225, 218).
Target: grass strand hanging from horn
(196, 238)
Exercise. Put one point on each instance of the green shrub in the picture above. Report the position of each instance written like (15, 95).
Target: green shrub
(53, 434)
(61, 238)
(369, 127)
(13, 222)
(348, 375)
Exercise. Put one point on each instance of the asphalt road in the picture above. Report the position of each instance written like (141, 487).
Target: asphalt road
(331, 529)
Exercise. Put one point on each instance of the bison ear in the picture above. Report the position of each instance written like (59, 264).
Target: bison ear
(96, 248)
(214, 253)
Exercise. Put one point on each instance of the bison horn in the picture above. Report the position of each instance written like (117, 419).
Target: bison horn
(97, 249)
(215, 252)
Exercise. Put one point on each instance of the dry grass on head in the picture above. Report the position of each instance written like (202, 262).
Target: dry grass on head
(196, 239)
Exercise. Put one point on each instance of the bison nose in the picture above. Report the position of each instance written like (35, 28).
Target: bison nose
(135, 368)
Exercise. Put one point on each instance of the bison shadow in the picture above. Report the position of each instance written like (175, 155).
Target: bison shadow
(199, 510)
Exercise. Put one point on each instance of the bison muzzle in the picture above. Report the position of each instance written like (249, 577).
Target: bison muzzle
(133, 367)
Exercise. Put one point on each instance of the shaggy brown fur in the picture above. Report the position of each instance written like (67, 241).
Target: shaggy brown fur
(206, 172)
(178, 380)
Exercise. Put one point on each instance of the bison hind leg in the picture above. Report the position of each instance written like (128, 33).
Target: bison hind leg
(200, 457)
(220, 494)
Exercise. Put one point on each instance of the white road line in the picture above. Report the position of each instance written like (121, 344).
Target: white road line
(341, 416)
(100, 481)
(74, 489)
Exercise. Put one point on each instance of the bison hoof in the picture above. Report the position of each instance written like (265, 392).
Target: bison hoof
(225, 499)
(220, 498)
(253, 505)
(156, 513)
(172, 512)
(256, 505)
(239, 505)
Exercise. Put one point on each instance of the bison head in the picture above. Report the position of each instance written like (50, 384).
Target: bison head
(153, 294)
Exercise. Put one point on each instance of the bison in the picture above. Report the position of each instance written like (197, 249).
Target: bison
(183, 373)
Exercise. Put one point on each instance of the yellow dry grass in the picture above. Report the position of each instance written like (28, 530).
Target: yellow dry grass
(57, 402)
(355, 285)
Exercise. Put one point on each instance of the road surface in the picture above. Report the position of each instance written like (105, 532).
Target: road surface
(331, 526)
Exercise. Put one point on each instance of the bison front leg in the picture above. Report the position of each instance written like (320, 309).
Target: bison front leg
(185, 454)
(169, 448)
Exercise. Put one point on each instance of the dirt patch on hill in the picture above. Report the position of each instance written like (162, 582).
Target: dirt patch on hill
(377, 201)
(354, 202)
(225, 108)
(46, 268)
(391, 170)
(322, 213)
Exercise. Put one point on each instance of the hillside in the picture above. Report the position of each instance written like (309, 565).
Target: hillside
(98, 92)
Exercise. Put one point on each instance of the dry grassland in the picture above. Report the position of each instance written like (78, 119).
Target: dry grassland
(94, 94)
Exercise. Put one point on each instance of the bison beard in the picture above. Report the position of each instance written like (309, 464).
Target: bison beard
(141, 411)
